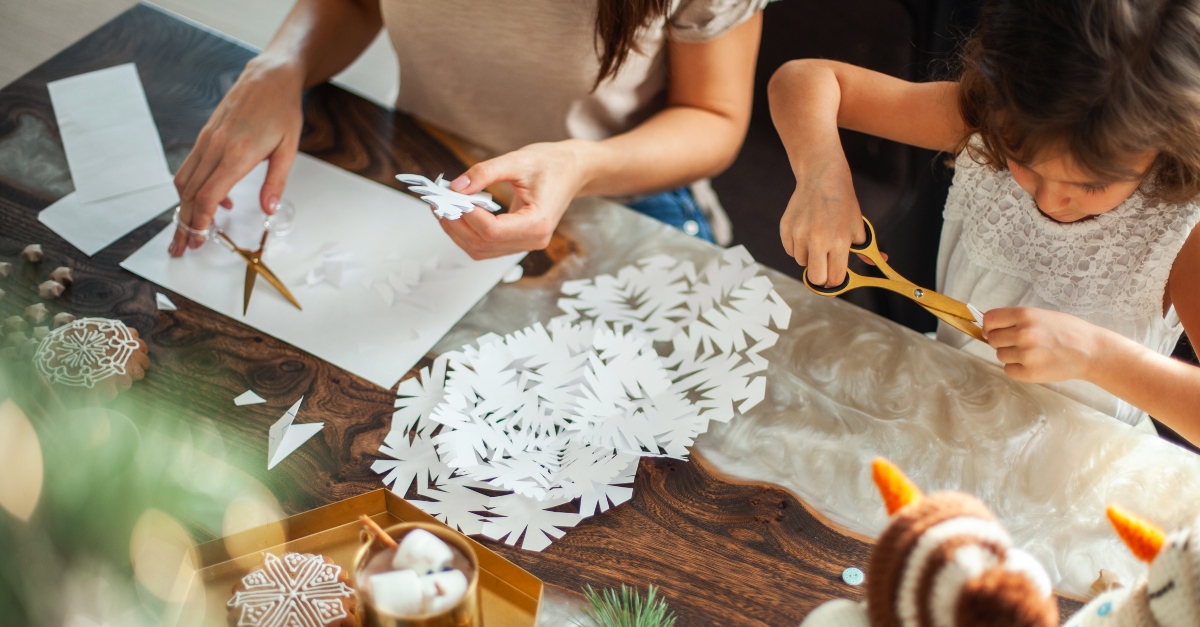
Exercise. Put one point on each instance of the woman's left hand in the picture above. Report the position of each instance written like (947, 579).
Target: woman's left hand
(1041, 346)
(545, 178)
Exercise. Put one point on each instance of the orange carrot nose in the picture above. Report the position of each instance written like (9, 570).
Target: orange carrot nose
(896, 489)
(1142, 537)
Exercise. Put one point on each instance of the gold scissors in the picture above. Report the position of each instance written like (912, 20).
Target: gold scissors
(255, 267)
(954, 313)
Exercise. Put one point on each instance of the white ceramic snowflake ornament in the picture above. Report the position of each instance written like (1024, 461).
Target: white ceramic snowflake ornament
(447, 203)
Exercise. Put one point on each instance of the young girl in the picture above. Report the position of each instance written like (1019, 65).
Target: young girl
(1076, 125)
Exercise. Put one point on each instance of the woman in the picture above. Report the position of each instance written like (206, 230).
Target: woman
(570, 97)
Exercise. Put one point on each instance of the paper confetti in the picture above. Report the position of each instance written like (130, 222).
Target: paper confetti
(447, 203)
(248, 398)
(163, 303)
(555, 414)
(285, 437)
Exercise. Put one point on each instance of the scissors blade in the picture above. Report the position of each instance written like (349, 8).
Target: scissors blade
(935, 301)
(251, 276)
(967, 326)
(274, 280)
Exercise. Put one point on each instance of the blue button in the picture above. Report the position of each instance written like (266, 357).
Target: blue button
(852, 576)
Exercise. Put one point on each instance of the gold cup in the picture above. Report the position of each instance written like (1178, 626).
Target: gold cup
(465, 613)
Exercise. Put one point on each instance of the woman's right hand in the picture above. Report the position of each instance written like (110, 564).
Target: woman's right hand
(823, 218)
(260, 118)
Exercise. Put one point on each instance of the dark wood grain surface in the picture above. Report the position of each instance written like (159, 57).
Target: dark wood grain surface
(724, 553)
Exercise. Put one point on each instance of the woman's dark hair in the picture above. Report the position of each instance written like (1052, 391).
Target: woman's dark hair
(1103, 79)
(617, 26)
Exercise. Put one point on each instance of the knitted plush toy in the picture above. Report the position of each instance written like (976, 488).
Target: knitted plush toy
(1167, 596)
(943, 561)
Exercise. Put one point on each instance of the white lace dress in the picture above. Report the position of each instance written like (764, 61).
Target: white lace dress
(998, 250)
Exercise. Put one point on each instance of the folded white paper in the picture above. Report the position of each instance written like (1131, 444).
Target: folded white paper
(112, 144)
(91, 227)
(248, 398)
(354, 326)
(286, 437)
(164, 303)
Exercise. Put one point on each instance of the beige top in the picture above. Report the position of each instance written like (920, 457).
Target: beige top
(503, 74)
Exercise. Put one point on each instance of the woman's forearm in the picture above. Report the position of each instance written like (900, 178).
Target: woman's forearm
(677, 146)
(1165, 388)
(805, 98)
(319, 38)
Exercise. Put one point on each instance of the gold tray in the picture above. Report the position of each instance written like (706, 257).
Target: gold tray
(510, 595)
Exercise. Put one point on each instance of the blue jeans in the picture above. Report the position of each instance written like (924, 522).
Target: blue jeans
(676, 208)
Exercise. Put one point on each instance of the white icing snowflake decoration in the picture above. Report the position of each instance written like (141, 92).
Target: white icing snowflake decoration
(297, 590)
(446, 202)
(86, 352)
(638, 365)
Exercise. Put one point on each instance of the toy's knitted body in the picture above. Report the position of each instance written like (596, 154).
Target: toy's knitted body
(943, 561)
(1167, 596)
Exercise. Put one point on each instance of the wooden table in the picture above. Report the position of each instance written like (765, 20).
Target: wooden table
(723, 552)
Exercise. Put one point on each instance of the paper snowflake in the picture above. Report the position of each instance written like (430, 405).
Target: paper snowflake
(638, 365)
(446, 202)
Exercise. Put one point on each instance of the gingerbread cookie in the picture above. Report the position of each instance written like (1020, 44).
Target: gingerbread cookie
(295, 590)
(93, 354)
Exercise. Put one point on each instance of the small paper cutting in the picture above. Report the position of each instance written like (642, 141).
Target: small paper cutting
(447, 203)
(164, 303)
(285, 437)
(248, 398)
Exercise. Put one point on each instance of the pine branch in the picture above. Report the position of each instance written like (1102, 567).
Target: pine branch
(627, 608)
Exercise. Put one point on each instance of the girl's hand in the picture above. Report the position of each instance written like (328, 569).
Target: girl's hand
(260, 118)
(545, 178)
(822, 220)
(1041, 346)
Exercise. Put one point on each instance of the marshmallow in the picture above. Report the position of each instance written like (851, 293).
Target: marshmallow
(443, 590)
(62, 274)
(62, 318)
(423, 552)
(32, 253)
(36, 313)
(398, 593)
(5, 268)
(50, 289)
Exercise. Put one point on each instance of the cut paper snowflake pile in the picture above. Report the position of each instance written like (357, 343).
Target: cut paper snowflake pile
(505, 435)
(446, 202)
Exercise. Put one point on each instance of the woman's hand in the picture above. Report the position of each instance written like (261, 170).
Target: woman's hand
(544, 178)
(1041, 346)
(822, 219)
(260, 118)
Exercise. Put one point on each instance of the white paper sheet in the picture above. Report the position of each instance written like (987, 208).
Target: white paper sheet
(351, 327)
(285, 437)
(91, 227)
(112, 144)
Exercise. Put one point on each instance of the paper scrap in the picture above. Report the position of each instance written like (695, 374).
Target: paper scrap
(92, 227)
(639, 365)
(359, 216)
(248, 398)
(978, 315)
(285, 437)
(163, 303)
(514, 275)
(108, 133)
(447, 204)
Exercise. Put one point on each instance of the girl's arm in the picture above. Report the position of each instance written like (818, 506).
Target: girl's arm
(810, 100)
(261, 118)
(697, 135)
(1041, 346)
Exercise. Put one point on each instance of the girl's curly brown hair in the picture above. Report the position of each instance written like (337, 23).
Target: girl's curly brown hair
(1103, 79)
